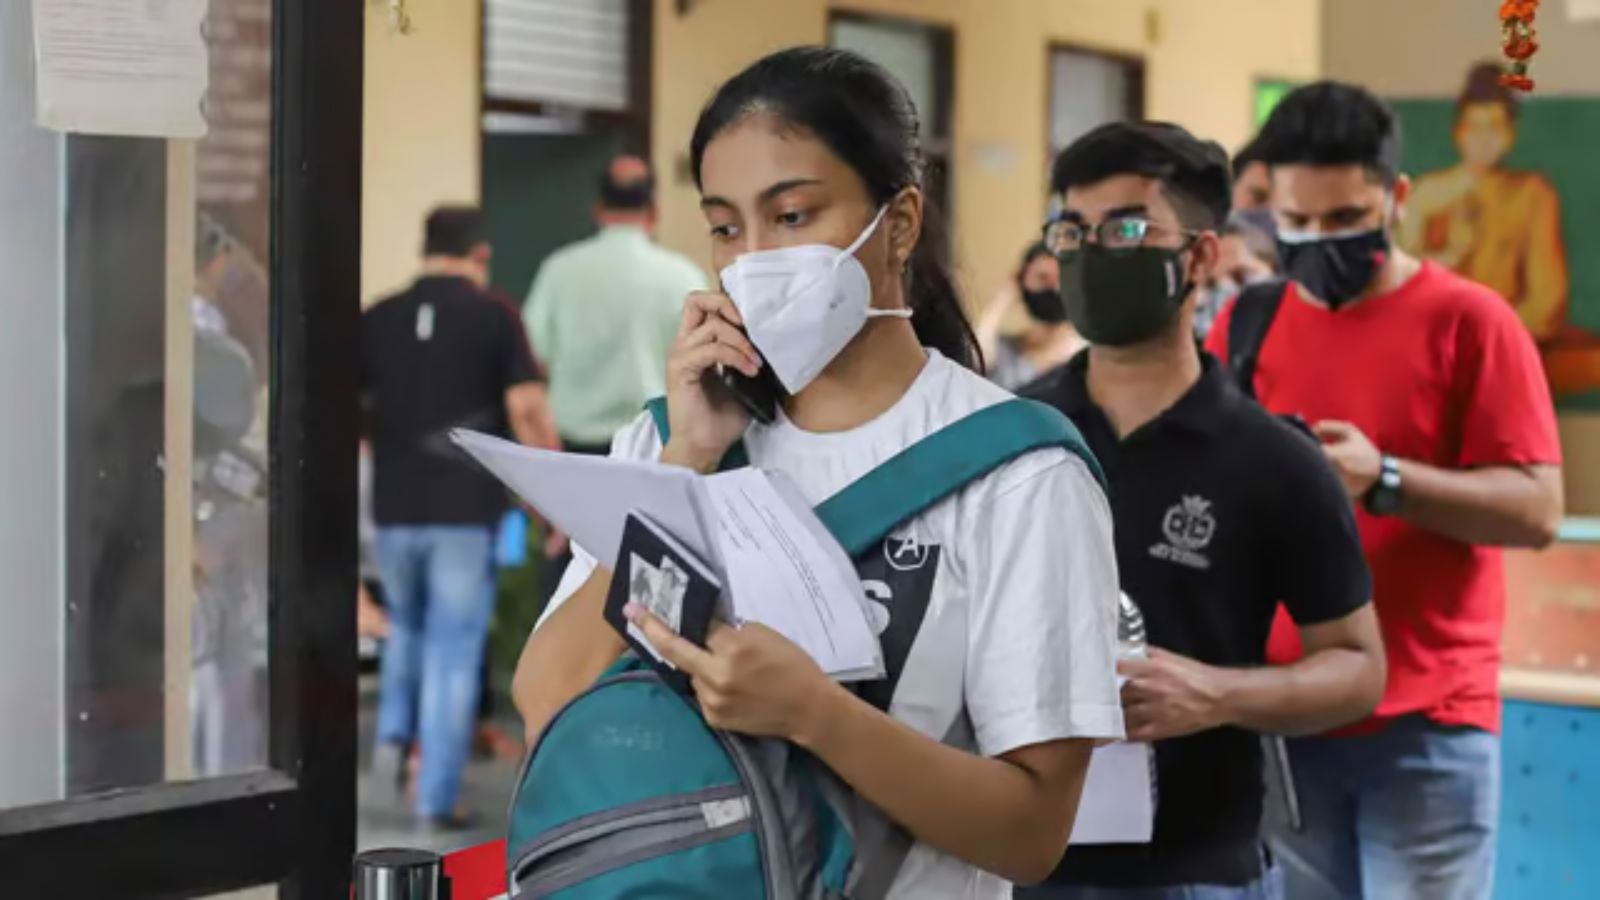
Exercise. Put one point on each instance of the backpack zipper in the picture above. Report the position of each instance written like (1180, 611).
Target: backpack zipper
(628, 837)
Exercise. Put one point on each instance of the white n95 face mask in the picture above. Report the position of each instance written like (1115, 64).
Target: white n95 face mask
(803, 305)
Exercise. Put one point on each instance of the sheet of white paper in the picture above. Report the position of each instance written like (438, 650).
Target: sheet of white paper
(121, 67)
(779, 573)
(589, 497)
(796, 501)
(1117, 806)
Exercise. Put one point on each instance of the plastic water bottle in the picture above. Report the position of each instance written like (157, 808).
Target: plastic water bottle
(1132, 643)
(1131, 640)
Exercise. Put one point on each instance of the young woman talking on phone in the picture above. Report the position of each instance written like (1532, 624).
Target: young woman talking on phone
(1001, 598)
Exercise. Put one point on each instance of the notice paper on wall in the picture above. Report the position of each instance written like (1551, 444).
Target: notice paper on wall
(121, 67)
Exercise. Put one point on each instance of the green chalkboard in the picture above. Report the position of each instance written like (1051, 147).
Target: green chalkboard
(1267, 94)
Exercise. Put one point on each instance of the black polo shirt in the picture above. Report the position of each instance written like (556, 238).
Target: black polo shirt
(1221, 510)
(440, 355)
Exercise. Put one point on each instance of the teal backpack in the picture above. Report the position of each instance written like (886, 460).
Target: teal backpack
(629, 794)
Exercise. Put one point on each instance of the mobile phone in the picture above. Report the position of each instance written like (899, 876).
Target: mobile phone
(759, 395)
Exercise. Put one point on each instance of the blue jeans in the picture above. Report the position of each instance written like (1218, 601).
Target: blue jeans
(1407, 812)
(1268, 887)
(439, 584)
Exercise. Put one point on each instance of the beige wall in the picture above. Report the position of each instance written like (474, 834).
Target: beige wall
(1390, 57)
(1387, 60)
(421, 132)
(1202, 59)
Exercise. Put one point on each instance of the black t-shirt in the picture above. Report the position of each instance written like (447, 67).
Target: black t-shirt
(1221, 511)
(438, 356)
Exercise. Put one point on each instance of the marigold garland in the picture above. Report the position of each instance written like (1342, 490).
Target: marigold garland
(1519, 41)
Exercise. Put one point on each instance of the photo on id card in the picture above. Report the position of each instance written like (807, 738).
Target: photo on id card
(656, 571)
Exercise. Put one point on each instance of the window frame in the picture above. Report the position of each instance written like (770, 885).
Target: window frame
(293, 824)
(1133, 63)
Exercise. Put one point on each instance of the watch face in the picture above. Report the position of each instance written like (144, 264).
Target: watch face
(1384, 499)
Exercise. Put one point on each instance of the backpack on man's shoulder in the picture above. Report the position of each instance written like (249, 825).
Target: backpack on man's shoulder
(1251, 318)
(1253, 313)
(628, 793)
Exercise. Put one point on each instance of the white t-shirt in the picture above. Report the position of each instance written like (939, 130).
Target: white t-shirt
(1002, 598)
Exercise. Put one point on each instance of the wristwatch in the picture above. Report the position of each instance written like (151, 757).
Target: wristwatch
(1383, 498)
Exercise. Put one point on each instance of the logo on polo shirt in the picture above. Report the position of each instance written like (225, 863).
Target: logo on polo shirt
(1188, 528)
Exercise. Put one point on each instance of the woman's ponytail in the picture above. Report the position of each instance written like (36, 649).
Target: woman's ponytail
(936, 310)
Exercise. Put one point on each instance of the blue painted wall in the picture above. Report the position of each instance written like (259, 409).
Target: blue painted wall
(1550, 815)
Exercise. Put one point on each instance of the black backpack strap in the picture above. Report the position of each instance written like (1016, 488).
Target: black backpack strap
(1248, 325)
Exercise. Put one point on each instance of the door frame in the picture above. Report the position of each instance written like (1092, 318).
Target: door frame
(294, 823)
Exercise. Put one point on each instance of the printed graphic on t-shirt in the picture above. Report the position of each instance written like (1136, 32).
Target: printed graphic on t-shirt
(898, 578)
(1188, 528)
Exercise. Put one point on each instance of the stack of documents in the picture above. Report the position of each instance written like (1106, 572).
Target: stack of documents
(778, 563)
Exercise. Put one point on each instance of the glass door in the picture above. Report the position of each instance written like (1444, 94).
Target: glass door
(178, 368)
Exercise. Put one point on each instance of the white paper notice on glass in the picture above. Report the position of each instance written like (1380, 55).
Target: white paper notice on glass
(121, 67)
(1118, 803)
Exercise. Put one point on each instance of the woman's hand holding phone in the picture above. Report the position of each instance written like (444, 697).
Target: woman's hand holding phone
(705, 420)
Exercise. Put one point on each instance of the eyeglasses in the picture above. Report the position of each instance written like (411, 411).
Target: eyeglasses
(1116, 233)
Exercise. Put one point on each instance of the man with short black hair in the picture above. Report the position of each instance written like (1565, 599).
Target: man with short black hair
(440, 355)
(1221, 512)
(1429, 400)
(603, 312)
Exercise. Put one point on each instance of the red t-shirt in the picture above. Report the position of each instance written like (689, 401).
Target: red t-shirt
(1439, 371)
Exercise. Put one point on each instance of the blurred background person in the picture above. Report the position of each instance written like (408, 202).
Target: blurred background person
(229, 629)
(1252, 188)
(1246, 255)
(1497, 226)
(602, 312)
(1045, 341)
(442, 354)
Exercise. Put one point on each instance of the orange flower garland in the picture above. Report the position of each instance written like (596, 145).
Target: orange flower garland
(1519, 42)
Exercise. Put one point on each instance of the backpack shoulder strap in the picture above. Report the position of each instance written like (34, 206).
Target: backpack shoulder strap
(1253, 313)
(942, 464)
(931, 469)
(735, 458)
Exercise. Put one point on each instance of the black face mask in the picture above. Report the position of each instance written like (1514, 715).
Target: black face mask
(1122, 297)
(1045, 306)
(1335, 269)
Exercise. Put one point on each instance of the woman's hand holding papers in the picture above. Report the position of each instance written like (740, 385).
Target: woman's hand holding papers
(750, 680)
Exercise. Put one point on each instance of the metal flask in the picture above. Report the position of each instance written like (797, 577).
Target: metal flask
(400, 874)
